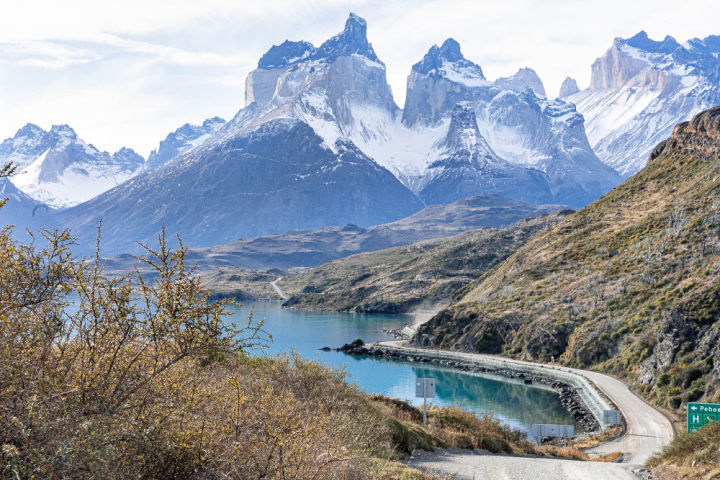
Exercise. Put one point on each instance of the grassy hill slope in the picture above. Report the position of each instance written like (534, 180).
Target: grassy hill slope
(628, 285)
(404, 278)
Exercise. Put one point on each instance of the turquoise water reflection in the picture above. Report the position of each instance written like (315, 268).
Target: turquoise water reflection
(515, 403)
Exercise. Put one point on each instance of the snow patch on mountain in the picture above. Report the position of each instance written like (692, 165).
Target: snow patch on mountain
(521, 80)
(640, 89)
(183, 140)
(59, 169)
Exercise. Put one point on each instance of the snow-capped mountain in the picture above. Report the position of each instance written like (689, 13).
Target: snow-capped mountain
(283, 162)
(521, 80)
(321, 142)
(521, 127)
(467, 164)
(59, 169)
(182, 140)
(640, 89)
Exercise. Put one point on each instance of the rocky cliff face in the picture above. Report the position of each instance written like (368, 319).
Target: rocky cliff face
(568, 87)
(60, 169)
(467, 165)
(183, 140)
(641, 88)
(628, 285)
(521, 80)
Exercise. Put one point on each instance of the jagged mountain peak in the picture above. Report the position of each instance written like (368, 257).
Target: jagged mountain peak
(58, 168)
(642, 41)
(448, 61)
(286, 53)
(352, 40)
(522, 79)
(28, 142)
(640, 88)
(129, 157)
(63, 131)
(463, 131)
(450, 50)
(210, 122)
(29, 130)
(569, 87)
(183, 140)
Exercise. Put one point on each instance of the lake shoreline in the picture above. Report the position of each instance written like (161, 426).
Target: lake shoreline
(569, 396)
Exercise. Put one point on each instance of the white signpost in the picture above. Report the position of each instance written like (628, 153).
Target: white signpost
(425, 387)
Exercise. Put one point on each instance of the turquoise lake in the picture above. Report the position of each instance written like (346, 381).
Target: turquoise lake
(513, 402)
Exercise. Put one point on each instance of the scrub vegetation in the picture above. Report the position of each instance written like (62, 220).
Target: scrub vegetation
(139, 377)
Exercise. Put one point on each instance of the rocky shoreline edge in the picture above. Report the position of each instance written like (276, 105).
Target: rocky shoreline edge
(569, 397)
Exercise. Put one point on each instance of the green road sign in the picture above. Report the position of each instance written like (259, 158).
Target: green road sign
(699, 414)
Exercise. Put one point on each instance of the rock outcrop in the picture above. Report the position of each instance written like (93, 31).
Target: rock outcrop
(640, 89)
(569, 87)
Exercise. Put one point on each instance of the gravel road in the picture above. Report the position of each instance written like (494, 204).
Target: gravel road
(648, 430)
(277, 289)
(478, 466)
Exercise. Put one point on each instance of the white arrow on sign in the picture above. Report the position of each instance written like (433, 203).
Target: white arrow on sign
(693, 407)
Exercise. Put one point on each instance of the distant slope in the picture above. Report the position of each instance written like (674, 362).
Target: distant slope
(629, 284)
(21, 210)
(278, 178)
(403, 278)
(310, 248)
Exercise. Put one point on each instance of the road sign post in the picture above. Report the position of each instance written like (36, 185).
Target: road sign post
(700, 414)
(425, 387)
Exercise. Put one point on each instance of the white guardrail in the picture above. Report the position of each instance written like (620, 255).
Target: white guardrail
(589, 394)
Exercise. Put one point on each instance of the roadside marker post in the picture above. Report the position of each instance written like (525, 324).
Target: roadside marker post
(700, 414)
(425, 387)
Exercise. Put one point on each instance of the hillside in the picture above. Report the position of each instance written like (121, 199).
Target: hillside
(311, 248)
(404, 278)
(627, 285)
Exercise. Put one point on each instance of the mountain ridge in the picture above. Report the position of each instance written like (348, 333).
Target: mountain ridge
(627, 285)
(640, 88)
(58, 168)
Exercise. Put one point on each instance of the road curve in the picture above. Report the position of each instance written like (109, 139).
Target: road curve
(464, 465)
(648, 430)
(277, 289)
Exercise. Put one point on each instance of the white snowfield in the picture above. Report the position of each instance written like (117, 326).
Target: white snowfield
(640, 89)
(648, 430)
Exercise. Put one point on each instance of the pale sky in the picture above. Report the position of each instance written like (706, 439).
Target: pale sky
(126, 73)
